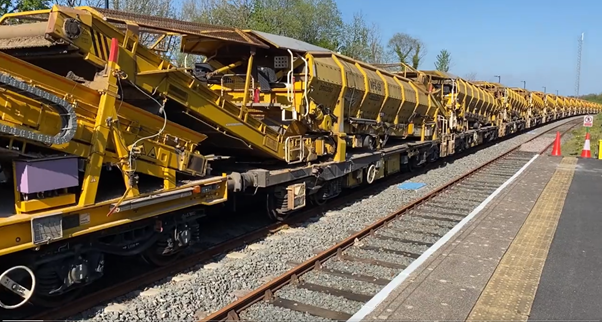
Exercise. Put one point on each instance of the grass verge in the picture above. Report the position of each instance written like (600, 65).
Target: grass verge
(574, 145)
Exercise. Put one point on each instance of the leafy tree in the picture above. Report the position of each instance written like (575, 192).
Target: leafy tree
(443, 61)
(9, 6)
(158, 8)
(361, 41)
(418, 54)
(596, 98)
(291, 18)
(407, 49)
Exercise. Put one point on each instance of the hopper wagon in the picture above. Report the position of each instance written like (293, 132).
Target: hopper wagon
(553, 107)
(571, 108)
(468, 113)
(557, 105)
(513, 107)
(470, 106)
(108, 148)
(581, 107)
(560, 106)
(575, 107)
(535, 113)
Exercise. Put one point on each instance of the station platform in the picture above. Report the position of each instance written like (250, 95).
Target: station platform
(534, 252)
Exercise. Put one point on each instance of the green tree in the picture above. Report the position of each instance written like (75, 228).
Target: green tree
(168, 48)
(419, 53)
(443, 61)
(407, 49)
(596, 98)
(292, 18)
(9, 6)
(361, 41)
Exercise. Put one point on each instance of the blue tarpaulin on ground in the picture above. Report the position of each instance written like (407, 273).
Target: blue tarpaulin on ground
(411, 185)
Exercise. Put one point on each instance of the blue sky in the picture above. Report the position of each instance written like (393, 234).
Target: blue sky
(531, 40)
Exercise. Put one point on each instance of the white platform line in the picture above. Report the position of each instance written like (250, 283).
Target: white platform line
(384, 293)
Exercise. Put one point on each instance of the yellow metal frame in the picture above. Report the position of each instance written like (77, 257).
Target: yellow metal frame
(91, 141)
(16, 230)
(94, 109)
(153, 74)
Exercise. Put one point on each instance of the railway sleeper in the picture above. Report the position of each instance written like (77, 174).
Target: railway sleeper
(371, 261)
(452, 209)
(435, 218)
(472, 190)
(454, 203)
(412, 231)
(467, 192)
(357, 277)
(487, 179)
(401, 240)
(439, 212)
(428, 221)
(349, 275)
(492, 177)
(309, 309)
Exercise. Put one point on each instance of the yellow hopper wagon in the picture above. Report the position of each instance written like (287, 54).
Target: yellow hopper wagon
(560, 107)
(575, 107)
(471, 106)
(552, 107)
(562, 104)
(581, 107)
(512, 115)
(318, 98)
(535, 113)
(467, 114)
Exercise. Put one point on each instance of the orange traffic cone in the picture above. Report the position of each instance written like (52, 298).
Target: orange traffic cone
(586, 153)
(556, 148)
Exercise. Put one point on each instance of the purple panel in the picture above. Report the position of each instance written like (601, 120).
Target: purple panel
(48, 174)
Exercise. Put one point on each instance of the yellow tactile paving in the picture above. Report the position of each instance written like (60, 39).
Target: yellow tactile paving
(510, 292)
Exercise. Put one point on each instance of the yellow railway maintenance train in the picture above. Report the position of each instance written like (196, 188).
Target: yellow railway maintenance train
(108, 148)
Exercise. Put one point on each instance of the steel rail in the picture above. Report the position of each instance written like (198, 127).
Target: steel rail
(231, 312)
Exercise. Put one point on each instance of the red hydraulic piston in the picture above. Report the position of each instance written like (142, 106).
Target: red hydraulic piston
(113, 54)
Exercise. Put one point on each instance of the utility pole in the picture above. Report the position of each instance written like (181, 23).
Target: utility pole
(544, 89)
(579, 53)
(556, 92)
(524, 84)
(499, 78)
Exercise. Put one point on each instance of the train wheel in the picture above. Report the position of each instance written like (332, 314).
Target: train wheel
(414, 163)
(407, 167)
(154, 254)
(50, 283)
(316, 199)
(273, 207)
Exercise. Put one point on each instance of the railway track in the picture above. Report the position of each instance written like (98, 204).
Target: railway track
(336, 283)
(120, 287)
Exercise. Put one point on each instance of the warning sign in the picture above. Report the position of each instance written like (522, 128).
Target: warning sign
(588, 121)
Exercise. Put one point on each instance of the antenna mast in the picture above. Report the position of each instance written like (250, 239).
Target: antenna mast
(580, 51)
